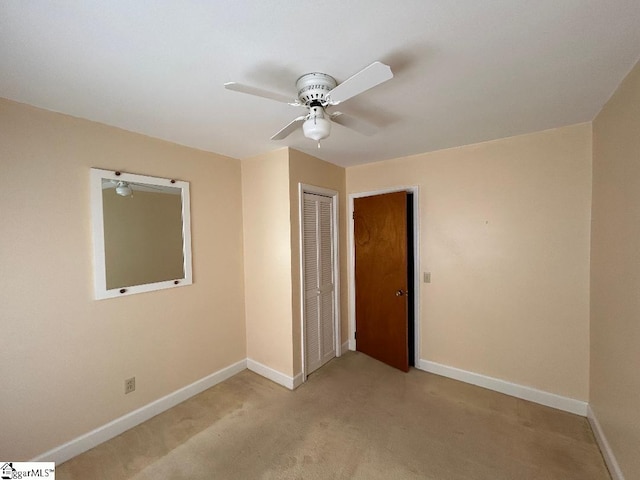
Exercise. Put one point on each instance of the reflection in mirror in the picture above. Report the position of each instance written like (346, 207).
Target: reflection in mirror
(141, 233)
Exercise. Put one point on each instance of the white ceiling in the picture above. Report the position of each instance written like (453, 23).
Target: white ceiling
(465, 70)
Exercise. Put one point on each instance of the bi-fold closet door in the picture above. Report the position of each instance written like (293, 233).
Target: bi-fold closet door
(319, 281)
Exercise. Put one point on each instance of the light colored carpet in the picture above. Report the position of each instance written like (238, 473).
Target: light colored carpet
(355, 418)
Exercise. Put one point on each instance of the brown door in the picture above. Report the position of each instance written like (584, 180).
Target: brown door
(380, 233)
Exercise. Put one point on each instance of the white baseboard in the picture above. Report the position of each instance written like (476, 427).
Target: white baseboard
(352, 345)
(297, 381)
(119, 425)
(116, 427)
(275, 376)
(344, 347)
(520, 391)
(605, 448)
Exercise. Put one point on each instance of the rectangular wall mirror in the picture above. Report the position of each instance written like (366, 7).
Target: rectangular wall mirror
(141, 233)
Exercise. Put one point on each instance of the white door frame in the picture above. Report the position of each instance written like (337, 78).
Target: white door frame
(416, 270)
(302, 189)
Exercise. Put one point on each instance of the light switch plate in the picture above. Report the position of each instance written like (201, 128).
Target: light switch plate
(426, 277)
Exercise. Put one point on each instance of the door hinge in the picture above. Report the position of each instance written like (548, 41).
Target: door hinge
(353, 215)
(355, 335)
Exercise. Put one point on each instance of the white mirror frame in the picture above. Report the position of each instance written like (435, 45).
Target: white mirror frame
(97, 217)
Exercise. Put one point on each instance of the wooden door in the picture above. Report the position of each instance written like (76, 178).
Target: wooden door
(319, 281)
(380, 234)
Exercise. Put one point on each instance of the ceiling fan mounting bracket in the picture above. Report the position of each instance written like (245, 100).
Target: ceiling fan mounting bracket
(314, 87)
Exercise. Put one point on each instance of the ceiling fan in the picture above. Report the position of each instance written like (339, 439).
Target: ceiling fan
(125, 189)
(319, 91)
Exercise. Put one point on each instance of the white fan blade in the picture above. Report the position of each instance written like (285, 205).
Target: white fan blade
(238, 87)
(353, 123)
(369, 77)
(289, 128)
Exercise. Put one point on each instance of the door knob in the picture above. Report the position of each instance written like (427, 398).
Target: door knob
(401, 292)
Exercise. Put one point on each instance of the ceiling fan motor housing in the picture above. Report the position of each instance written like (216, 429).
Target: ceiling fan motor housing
(313, 87)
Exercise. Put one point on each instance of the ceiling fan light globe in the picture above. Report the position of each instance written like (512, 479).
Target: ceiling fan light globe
(123, 189)
(316, 128)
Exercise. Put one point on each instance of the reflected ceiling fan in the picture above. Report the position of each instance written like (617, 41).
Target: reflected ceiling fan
(125, 189)
(319, 91)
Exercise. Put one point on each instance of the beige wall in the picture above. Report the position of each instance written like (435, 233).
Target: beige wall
(272, 252)
(267, 260)
(504, 230)
(309, 170)
(615, 274)
(64, 355)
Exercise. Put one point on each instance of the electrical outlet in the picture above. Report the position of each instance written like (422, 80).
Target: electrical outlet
(426, 277)
(129, 385)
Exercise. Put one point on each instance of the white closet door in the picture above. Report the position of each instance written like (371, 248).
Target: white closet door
(319, 281)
